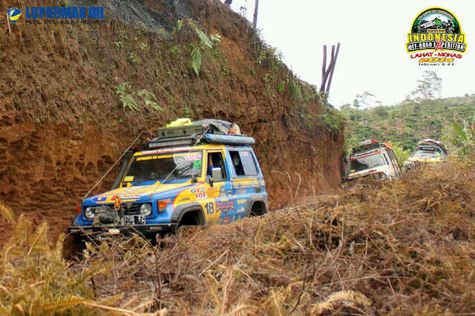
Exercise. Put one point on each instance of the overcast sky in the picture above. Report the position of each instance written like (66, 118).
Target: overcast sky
(373, 35)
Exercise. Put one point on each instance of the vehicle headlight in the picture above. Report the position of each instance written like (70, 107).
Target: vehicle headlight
(379, 176)
(89, 212)
(146, 209)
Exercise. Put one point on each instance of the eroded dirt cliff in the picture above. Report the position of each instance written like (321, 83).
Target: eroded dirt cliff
(62, 123)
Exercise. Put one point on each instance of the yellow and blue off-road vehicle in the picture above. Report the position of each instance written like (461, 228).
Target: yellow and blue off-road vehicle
(195, 174)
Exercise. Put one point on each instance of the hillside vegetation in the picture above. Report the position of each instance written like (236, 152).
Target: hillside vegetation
(407, 123)
(399, 248)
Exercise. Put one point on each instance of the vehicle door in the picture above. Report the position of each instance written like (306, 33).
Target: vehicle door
(218, 191)
(388, 164)
(245, 181)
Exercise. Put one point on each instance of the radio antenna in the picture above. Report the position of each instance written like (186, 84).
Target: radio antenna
(113, 166)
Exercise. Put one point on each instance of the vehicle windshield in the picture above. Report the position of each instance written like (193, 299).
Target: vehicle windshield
(427, 153)
(169, 166)
(364, 162)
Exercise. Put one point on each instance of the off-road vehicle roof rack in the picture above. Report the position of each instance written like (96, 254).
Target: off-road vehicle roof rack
(427, 142)
(199, 132)
(369, 144)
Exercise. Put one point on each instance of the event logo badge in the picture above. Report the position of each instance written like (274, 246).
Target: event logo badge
(13, 14)
(436, 38)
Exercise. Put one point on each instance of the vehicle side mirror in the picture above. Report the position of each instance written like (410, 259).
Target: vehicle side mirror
(217, 175)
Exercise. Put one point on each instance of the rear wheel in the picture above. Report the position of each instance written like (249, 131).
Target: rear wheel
(258, 209)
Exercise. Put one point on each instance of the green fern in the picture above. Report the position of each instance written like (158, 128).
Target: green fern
(179, 25)
(204, 39)
(295, 90)
(196, 60)
(187, 111)
(149, 99)
(206, 42)
(127, 99)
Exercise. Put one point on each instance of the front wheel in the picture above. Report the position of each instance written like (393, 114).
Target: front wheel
(73, 245)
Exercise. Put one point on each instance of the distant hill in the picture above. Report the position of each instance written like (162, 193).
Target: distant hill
(408, 122)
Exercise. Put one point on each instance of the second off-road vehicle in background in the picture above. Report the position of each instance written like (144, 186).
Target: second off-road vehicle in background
(373, 159)
(427, 151)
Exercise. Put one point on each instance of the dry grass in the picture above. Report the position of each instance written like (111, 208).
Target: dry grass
(398, 248)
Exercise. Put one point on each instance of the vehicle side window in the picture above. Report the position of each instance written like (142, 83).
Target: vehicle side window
(248, 163)
(237, 163)
(215, 160)
(243, 163)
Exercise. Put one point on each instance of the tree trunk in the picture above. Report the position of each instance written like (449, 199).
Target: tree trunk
(256, 14)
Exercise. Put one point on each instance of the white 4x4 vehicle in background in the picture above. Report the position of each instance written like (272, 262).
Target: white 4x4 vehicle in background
(373, 159)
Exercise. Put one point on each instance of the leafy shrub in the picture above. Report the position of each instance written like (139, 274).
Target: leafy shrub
(295, 90)
(281, 86)
(187, 112)
(332, 120)
(126, 98)
(196, 59)
(462, 137)
(149, 99)
(205, 43)
(401, 154)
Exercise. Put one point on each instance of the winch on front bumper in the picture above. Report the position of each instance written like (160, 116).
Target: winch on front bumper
(125, 220)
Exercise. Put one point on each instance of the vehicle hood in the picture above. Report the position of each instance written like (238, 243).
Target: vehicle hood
(363, 173)
(425, 160)
(136, 193)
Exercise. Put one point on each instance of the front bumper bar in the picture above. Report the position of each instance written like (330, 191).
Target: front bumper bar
(122, 230)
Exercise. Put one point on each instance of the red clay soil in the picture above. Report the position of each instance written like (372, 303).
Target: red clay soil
(62, 125)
